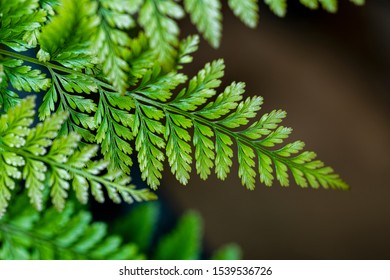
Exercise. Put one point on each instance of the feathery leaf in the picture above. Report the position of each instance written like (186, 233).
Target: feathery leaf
(52, 162)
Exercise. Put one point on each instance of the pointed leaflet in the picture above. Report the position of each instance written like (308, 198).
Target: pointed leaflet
(278, 7)
(246, 10)
(156, 17)
(20, 21)
(207, 16)
(112, 41)
(66, 39)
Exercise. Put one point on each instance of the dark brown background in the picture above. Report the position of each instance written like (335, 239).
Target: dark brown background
(331, 74)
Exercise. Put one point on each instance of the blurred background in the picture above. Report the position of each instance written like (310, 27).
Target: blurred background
(331, 73)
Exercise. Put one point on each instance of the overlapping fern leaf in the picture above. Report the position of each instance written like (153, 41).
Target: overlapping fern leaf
(70, 234)
(156, 114)
(47, 162)
(163, 121)
(20, 22)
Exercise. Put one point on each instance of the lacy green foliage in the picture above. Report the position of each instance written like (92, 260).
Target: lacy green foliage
(206, 15)
(157, 19)
(157, 115)
(217, 125)
(71, 234)
(27, 234)
(65, 39)
(112, 41)
(160, 123)
(21, 78)
(246, 10)
(45, 161)
(94, 33)
(20, 22)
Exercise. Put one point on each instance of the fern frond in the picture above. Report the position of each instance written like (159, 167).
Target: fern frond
(20, 21)
(187, 47)
(44, 160)
(246, 10)
(22, 77)
(114, 123)
(27, 234)
(66, 38)
(217, 126)
(157, 19)
(141, 59)
(67, 90)
(112, 41)
(278, 7)
(207, 16)
(329, 5)
(311, 4)
(49, 5)
(8, 98)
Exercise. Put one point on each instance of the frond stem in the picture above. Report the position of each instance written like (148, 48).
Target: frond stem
(49, 66)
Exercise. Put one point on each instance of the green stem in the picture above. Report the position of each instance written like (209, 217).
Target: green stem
(49, 66)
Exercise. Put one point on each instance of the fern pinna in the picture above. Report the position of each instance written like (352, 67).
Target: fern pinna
(127, 92)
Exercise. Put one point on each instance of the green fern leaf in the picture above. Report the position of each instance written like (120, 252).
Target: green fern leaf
(246, 10)
(156, 17)
(141, 59)
(79, 107)
(8, 98)
(54, 162)
(278, 7)
(49, 5)
(207, 17)
(178, 149)
(184, 242)
(66, 38)
(112, 42)
(329, 5)
(215, 128)
(200, 87)
(114, 122)
(311, 4)
(26, 234)
(187, 46)
(20, 21)
(22, 78)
